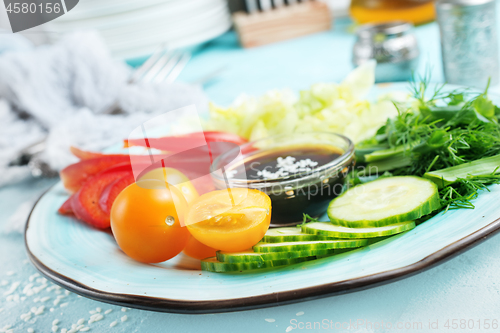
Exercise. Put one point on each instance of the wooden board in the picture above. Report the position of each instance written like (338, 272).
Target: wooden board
(282, 23)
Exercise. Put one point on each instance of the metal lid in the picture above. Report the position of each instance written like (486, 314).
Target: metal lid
(389, 29)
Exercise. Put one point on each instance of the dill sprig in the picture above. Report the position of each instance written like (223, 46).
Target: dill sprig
(306, 219)
(441, 129)
(464, 190)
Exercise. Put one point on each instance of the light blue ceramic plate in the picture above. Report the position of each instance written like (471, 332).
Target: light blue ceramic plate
(88, 262)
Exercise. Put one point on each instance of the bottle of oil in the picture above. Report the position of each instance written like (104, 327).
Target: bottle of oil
(374, 11)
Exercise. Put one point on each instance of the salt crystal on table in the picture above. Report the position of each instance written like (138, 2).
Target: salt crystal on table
(32, 277)
(12, 288)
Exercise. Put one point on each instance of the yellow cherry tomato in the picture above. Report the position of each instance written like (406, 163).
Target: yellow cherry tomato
(230, 220)
(198, 250)
(146, 221)
(175, 178)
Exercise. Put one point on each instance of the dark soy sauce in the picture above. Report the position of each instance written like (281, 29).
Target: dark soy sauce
(291, 202)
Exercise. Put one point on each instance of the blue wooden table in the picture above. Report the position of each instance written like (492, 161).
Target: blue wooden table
(447, 296)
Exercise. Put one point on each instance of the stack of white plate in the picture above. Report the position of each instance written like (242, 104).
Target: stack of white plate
(134, 28)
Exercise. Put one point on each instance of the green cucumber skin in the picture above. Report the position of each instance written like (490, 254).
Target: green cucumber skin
(319, 246)
(337, 251)
(294, 238)
(432, 204)
(229, 258)
(228, 267)
(345, 235)
(221, 267)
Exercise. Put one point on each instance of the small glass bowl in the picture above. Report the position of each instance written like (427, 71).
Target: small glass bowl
(307, 192)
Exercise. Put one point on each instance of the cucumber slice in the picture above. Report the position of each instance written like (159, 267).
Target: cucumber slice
(309, 246)
(251, 256)
(213, 265)
(331, 230)
(291, 234)
(385, 201)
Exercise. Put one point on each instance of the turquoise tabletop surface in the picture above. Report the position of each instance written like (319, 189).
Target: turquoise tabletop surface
(461, 295)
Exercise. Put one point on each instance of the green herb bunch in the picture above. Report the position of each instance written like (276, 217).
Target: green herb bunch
(441, 129)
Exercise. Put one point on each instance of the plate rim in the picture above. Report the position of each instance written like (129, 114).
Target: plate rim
(265, 300)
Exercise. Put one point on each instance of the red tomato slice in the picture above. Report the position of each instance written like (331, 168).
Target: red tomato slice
(75, 175)
(224, 137)
(87, 155)
(66, 208)
(111, 191)
(85, 202)
(177, 143)
(194, 163)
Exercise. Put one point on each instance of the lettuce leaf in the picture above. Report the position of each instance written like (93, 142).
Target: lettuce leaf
(325, 107)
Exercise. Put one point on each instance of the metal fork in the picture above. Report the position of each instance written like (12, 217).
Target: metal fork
(162, 66)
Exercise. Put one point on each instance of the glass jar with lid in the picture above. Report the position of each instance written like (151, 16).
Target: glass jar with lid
(393, 45)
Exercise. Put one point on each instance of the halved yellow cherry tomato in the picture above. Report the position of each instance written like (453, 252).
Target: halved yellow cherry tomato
(193, 248)
(230, 220)
(175, 178)
(146, 221)
(198, 250)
